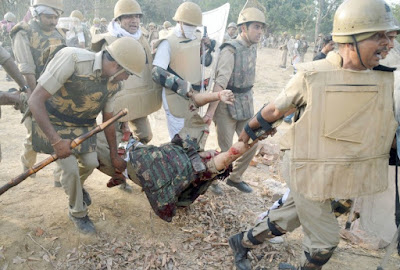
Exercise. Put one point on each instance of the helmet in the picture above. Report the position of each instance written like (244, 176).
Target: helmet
(152, 24)
(189, 13)
(298, 36)
(77, 14)
(96, 20)
(103, 19)
(356, 17)
(57, 4)
(303, 36)
(233, 25)
(129, 54)
(127, 7)
(285, 33)
(167, 24)
(251, 14)
(9, 16)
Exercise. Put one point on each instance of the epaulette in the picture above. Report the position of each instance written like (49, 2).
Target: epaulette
(19, 26)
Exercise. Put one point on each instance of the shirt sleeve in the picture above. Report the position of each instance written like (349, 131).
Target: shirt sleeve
(224, 68)
(109, 106)
(59, 69)
(163, 55)
(22, 53)
(294, 95)
(4, 55)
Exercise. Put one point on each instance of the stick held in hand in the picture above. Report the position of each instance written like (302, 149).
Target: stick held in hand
(77, 141)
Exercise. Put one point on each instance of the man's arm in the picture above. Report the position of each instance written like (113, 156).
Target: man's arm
(62, 147)
(12, 70)
(117, 162)
(24, 58)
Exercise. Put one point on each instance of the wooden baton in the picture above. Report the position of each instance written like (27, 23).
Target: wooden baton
(77, 141)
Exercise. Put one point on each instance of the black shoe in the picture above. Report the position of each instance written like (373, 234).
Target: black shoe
(216, 189)
(242, 186)
(84, 225)
(86, 197)
(286, 266)
(240, 252)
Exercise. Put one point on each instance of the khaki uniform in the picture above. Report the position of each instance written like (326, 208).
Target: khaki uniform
(32, 50)
(4, 55)
(79, 94)
(189, 70)
(334, 153)
(141, 96)
(236, 72)
(284, 47)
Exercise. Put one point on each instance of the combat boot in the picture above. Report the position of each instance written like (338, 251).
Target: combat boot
(216, 189)
(242, 186)
(84, 224)
(239, 252)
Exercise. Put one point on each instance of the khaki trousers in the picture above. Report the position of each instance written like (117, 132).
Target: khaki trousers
(284, 58)
(226, 127)
(28, 157)
(141, 128)
(75, 170)
(320, 226)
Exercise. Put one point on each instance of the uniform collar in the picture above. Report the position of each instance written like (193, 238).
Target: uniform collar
(98, 63)
(335, 59)
(243, 42)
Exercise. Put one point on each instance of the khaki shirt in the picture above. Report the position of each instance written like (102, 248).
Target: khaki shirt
(295, 93)
(226, 63)
(4, 55)
(74, 61)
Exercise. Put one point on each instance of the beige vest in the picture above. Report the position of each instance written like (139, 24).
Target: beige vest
(185, 61)
(141, 96)
(340, 145)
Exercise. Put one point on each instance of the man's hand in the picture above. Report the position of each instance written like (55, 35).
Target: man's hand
(118, 163)
(62, 148)
(226, 96)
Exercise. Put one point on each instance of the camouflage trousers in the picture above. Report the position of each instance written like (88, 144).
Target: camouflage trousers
(226, 129)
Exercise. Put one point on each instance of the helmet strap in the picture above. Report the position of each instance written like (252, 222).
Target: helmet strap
(358, 51)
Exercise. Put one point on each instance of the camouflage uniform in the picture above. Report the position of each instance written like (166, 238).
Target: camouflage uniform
(33, 48)
(236, 72)
(79, 94)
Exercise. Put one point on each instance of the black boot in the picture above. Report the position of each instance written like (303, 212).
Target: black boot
(240, 252)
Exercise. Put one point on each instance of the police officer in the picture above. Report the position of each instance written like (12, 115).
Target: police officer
(96, 27)
(75, 37)
(327, 159)
(153, 33)
(34, 44)
(284, 48)
(139, 94)
(103, 25)
(231, 32)
(182, 79)
(76, 86)
(164, 32)
(236, 71)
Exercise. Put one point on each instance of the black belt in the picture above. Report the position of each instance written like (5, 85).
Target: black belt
(69, 118)
(239, 90)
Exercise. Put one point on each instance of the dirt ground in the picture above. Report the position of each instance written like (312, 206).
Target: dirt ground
(35, 232)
